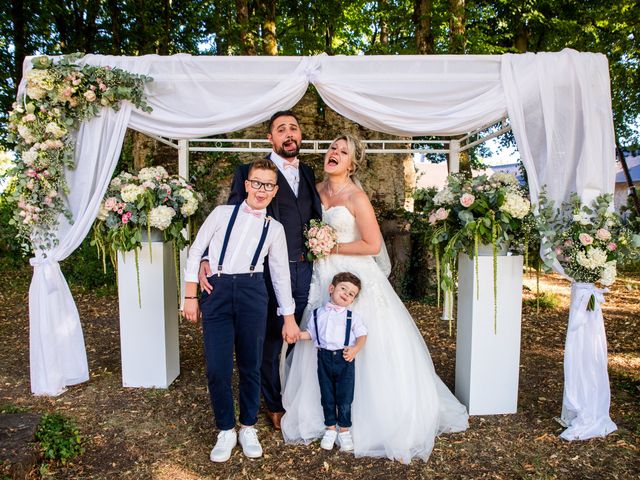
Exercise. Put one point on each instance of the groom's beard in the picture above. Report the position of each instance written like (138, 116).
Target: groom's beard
(289, 153)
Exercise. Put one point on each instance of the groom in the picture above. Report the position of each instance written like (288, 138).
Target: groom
(294, 205)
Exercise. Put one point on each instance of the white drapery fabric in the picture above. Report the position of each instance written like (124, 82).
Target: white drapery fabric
(585, 403)
(559, 105)
(57, 356)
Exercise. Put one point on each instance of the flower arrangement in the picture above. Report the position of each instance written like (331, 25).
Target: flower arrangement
(321, 238)
(134, 204)
(58, 97)
(587, 241)
(473, 211)
(137, 203)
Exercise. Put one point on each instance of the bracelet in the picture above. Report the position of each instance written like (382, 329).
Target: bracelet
(337, 248)
(190, 298)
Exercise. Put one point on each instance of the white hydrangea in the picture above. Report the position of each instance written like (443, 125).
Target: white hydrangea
(609, 273)
(131, 192)
(102, 212)
(30, 156)
(152, 173)
(191, 202)
(444, 196)
(116, 183)
(160, 217)
(582, 218)
(56, 130)
(38, 82)
(594, 258)
(504, 178)
(515, 205)
(26, 133)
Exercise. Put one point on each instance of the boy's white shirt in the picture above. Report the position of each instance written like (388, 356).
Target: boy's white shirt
(332, 326)
(241, 249)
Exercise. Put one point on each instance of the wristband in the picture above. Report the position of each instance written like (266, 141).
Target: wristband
(190, 298)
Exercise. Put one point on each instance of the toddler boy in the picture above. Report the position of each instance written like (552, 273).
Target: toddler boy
(339, 334)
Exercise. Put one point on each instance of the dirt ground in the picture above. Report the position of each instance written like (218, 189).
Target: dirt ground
(167, 434)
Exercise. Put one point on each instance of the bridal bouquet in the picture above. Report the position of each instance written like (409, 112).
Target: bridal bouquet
(321, 238)
(134, 204)
(587, 241)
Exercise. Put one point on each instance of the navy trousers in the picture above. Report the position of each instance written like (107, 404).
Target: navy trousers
(300, 281)
(234, 318)
(336, 377)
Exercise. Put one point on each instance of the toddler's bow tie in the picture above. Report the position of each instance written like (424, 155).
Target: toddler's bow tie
(291, 164)
(251, 211)
(335, 308)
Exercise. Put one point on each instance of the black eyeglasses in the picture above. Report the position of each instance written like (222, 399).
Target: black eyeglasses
(257, 184)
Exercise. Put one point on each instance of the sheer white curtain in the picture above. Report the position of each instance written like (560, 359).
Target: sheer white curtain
(559, 106)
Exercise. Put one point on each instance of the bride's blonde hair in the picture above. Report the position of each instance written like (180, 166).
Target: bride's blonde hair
(356, 152)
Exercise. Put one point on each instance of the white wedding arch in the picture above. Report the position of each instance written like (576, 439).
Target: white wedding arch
(558, 105)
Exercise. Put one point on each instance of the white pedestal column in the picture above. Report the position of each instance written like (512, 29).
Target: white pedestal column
(487, 362)
(149, 330)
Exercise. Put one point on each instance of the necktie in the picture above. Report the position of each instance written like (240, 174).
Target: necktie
(295, 163)
(251, 211)
(335, 308)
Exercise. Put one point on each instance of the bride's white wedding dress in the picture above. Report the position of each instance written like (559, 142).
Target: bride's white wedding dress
(400, 404)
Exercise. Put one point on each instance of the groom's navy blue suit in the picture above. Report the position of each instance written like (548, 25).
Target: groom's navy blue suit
(294, 213)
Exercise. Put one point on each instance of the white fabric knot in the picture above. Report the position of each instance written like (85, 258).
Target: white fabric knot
(38, 261)
(583, 293)
(312, 68)
(49, 267)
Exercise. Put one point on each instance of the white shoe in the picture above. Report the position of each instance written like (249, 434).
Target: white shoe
(250, 444)
(328, 439)
(221, 452)
(346, 441)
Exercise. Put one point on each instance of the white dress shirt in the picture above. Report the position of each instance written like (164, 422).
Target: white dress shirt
(241, 248)
(332, 328)
(291, 174)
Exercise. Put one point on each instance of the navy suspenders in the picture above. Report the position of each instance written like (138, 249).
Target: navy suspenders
(347, 332)
(227, 235)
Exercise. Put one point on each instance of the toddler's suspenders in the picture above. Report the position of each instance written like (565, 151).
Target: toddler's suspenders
(227, 235)
(347, 329)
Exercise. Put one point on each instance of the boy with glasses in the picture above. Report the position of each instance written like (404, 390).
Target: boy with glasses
(295, 203)
(234, 312)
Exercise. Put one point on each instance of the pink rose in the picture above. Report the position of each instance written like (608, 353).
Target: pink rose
(612, 247)
(603, 234)
(126, 217)
(313, 243)
(313, 231)
(558, 251)
(432, 218)
(111, 203)
(585, 239)
(442, 213)
(568, 243)
(90, 96)
(467, 200)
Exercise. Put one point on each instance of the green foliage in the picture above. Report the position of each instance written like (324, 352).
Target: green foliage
(9, 408)
(85, 268)
(59, 438)
(542, 301)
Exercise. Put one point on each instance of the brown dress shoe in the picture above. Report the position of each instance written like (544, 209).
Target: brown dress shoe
(275, 418)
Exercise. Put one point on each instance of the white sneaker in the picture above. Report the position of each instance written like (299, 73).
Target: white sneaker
(346, 441)
(221, 452)
(250, 444)
(328, 439)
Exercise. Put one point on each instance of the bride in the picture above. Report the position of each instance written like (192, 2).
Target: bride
(400, 404)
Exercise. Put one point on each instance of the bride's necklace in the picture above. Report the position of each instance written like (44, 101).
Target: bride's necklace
(330, 190)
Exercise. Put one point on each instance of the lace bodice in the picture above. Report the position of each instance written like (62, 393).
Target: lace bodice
(340, 218)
